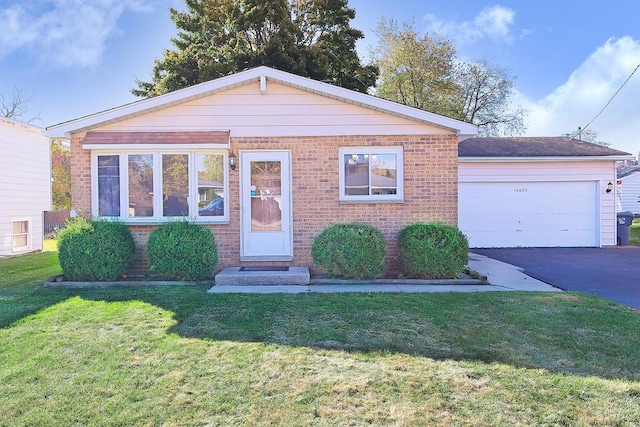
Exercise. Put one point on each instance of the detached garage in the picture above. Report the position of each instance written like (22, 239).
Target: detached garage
(537, 192)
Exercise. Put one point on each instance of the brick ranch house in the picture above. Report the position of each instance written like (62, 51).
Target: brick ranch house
(267, 160)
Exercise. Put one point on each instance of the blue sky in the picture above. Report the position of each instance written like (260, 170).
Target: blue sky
(78, 57)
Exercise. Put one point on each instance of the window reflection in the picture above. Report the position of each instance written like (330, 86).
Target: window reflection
(266, 199)
(210, 169)
(175, 185)
(109, 185)
(366, 174)
(140, 185)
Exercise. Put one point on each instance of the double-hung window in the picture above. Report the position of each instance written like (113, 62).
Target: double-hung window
(152, 186)
(371, 174)
(20, 234)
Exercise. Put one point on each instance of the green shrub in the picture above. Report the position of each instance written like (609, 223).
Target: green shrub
(350, 251)
(182, 251)
(95, 250)
(432, 251)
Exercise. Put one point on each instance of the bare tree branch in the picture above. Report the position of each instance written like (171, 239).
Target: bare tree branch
(17, 106)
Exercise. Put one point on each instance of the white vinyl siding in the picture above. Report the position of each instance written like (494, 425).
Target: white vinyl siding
(283, 111)
(25, 182)
(630, 193)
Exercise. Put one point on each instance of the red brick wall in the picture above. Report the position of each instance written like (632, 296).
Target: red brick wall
(430, 191)
(80, 178)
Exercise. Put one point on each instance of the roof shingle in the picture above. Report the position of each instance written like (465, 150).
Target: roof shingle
(533, 147)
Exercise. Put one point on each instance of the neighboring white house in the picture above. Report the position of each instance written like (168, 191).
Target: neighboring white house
(629, 189)
(537, 192)
(25, 186)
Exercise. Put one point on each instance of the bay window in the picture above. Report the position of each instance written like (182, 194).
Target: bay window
(157, 185)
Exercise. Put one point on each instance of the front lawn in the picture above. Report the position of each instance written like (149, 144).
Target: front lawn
(180, 356)
(634, 233)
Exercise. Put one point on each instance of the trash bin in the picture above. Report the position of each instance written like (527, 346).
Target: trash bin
(625, 219)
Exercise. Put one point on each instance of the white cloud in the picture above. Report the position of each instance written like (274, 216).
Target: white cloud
(493, 22)
(588, 89)
(64, 33)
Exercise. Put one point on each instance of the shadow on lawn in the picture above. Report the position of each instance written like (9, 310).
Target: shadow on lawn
(565, 333)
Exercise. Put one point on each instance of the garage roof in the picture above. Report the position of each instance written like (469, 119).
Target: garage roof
(521, 147)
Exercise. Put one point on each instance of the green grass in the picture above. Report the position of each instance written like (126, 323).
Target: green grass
(634, 233)
(50, 245)
(179, 356)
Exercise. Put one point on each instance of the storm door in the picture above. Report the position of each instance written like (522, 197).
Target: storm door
(265, 189)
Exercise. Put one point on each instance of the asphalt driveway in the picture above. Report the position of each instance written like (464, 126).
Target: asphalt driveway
(612, 273)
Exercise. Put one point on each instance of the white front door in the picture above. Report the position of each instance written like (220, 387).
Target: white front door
(265, 200)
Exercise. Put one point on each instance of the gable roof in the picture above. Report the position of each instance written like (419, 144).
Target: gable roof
(259, 74)
(559, 148)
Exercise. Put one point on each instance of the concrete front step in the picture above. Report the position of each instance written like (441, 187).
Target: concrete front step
(236, 276)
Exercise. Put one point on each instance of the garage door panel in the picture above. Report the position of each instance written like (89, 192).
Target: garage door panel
(532, 222)
(539, 214)
(529, 239)
(556, 222)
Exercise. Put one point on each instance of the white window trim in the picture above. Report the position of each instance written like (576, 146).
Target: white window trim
(157, 217)
(29, 235)
(382, 198)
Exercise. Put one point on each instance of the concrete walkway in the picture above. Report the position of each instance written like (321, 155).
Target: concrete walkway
(501, 277)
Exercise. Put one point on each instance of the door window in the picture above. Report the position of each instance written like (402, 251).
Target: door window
(266, 196)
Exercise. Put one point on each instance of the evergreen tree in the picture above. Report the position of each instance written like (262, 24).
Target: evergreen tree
(216, 38)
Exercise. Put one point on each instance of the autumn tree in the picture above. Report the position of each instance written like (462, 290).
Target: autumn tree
(416, 70)
(311, 38)
(61, 176)
(423, 71)
(486, 94)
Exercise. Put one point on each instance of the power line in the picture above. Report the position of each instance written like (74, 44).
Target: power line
(613, 96)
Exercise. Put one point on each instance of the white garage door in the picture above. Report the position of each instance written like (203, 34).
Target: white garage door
(528, 214)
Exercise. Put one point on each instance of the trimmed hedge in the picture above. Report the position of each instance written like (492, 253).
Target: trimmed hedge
(350, 251)
(432, 251)
(95, 250)
(182, 251)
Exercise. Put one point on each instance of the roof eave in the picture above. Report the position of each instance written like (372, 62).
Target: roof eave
(372, 102)
(64, 130)
(504, 159)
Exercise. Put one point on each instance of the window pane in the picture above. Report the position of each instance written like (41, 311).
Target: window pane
(20, 234)
(266, 191)
(109, 185)
(356, 174)
(210, 184)
(384, 174)
(175, 185)
(140, 185)
(20, 227)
